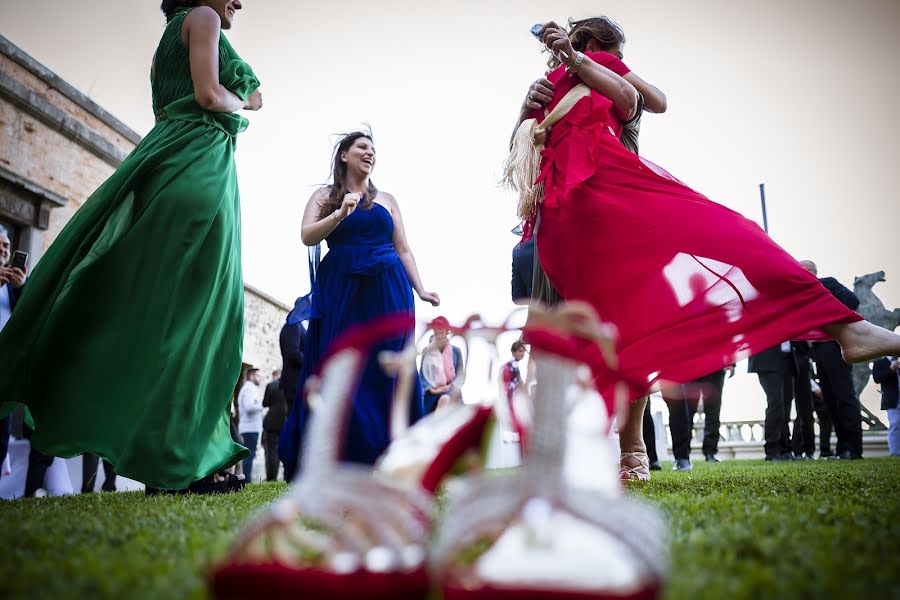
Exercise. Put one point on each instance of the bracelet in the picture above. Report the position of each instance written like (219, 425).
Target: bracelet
(335, 216)
(579, 58)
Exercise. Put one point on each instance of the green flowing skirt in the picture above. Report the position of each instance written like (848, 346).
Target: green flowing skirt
(127, 339)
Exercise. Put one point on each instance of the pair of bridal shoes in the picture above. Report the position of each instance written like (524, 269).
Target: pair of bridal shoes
(558, 527)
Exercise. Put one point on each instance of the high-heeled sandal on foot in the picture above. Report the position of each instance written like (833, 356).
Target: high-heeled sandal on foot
(641, 472)
(532, 534)
(338, 533)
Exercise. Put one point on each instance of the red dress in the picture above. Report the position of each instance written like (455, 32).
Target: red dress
(691, 285)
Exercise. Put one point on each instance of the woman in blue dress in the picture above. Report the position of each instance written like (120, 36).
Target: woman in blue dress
(369, 272)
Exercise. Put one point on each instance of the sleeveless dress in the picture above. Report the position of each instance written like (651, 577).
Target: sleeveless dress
(691, 285)
(360, 279)
(127, 340)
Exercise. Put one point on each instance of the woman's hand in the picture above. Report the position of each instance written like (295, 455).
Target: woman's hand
(431, 298)
(540, 94)
(348, 205)
(254, 102)
(557, 41)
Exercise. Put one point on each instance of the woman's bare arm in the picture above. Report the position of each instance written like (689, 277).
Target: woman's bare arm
(200, 33)
(313, 229)
(654, 99)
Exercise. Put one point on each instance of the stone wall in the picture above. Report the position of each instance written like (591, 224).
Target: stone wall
(263, 318)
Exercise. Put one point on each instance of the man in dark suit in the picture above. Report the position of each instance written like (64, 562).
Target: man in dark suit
(12, 283)
(273, 399)
(775, 369)
(522, 272)
(9, 295)
(886, 372)
(836, 378)
(291, 341)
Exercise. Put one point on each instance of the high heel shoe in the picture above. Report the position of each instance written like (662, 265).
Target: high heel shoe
(338, 533)
(532, 533)
(641, 472)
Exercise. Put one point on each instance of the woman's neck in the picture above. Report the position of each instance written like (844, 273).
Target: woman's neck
(442, 344)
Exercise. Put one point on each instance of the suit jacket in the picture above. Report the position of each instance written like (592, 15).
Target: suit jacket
(840, 292)
(890, 386)
(772, 360)
(522, 270)
(292, 341)
(276, 402)
(14, 295)
(767, 361)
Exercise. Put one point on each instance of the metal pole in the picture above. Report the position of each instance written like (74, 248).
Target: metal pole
(762, 197)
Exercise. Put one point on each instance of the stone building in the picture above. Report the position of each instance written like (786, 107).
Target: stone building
(56, 147)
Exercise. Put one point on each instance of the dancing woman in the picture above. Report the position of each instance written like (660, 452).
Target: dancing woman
(126, 342)
(691, 285)
(600, 34)
(369, 272)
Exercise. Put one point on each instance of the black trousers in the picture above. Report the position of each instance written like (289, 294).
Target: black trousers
(650, 434)
(804, 438)
(270, 447)
(38, 463)
(825, 426)
(89, 464)
(841, 401)
(682, 410)
(779, 388)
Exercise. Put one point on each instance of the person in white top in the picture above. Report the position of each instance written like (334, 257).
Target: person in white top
(250, 417)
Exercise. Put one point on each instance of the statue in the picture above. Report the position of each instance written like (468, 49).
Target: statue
(873, 310)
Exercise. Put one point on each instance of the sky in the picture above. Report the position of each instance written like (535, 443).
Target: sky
(796, 94)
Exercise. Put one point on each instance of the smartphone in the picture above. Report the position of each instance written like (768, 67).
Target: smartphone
(19, 260)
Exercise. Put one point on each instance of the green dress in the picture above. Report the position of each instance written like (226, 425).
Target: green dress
(127, 339)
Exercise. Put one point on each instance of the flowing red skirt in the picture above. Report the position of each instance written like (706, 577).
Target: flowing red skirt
(691, 285)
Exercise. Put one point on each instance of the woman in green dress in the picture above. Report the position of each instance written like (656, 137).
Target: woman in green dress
(126, 341)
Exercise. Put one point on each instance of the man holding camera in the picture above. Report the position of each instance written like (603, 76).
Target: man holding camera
(12, 281)
(12, 277)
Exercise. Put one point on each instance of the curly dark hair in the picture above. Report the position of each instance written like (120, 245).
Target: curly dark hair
(338, 186)
(604, 30)
(170, 7)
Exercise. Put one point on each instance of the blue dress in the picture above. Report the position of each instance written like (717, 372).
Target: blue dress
(360, 279)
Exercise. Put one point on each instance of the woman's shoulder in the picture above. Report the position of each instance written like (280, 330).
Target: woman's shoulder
(202, 15)
(321, 194)
(386, 199)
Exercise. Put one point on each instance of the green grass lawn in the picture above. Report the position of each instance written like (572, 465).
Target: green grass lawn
(748, 529)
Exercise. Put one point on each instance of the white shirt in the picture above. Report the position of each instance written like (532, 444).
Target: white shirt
(5, 305)
(250, 408)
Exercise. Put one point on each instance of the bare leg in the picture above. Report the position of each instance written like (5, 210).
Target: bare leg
(631, 441)
(862, 341)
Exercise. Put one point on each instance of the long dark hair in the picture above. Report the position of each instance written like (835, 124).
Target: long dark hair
(170, 7)
(604, 30)
(338, 186)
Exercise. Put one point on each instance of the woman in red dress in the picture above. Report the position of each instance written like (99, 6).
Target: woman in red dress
(692, 286)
